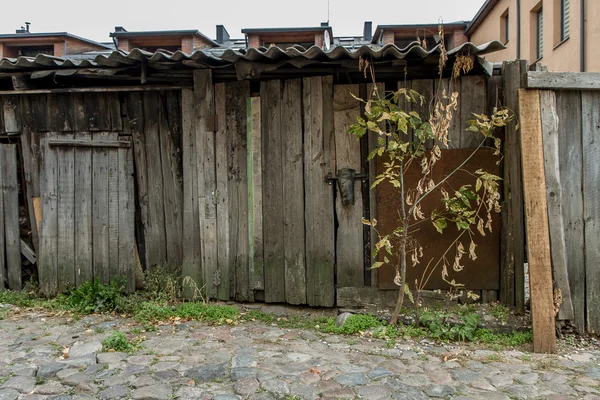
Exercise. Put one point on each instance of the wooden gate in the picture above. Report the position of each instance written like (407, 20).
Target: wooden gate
(87, 229)
(10, 249)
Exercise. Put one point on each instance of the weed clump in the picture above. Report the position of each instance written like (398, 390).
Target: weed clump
(117, 341)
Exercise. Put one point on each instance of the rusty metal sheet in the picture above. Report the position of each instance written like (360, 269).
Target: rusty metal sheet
(481, 274)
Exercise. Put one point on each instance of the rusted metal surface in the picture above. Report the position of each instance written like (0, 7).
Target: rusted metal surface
(481, 274)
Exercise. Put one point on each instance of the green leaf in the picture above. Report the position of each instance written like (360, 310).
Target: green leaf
(376, 264)
(440, 224)
(408, 293)
(478, 185)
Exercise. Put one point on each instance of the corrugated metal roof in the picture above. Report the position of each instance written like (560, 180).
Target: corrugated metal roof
(297, 56)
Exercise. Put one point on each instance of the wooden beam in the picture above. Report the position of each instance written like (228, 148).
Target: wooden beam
(97, 89)
(536, 210)
(88, 143)
(563, 80)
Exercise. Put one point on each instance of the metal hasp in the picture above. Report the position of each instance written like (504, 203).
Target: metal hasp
(345, 179)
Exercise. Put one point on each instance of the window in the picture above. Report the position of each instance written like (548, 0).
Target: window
(562, 20)
(504, 27)
(536, 24)
(32, 51)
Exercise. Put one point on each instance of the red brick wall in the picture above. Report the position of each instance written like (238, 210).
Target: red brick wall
(59, 49)
(319, 39)
(388, 37)
(187, 44)
(124, 45)
(75, 46)
(200, 43)
(253, 41)
(459, 38)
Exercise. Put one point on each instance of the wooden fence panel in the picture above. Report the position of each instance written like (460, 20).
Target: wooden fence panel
(47, 260)
(66, 215)
(568, 106)
(349, 245)
(590, 102)
(100, 210)
(9, 213)
(83, 210)
(473, 94)
(319, 153)
(293, 193)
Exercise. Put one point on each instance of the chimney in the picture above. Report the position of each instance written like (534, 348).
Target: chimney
(120, 29)
(24, 29)
(222, 34)
(368, 31)
(324, 24)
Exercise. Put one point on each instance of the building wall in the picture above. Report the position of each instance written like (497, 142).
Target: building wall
(75, 46)
(556, 55)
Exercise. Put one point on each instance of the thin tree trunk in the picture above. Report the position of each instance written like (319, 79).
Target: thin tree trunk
(396, 314)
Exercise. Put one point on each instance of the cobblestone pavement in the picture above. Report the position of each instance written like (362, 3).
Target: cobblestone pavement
(257, 361)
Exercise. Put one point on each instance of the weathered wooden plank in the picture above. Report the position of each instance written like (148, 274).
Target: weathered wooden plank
(563, 80)
(126, 237)
(538, 239)
(590, 102)
(3, 277)
(10, 187)
(473, 93)
(12, 122)
(148, 88)
(47, 260)
(293, 193)
(172, 190)
(255, 214)
(97, 111)
(554, 198)
(568, 107)
(83, 212)
(28, 252)
(2, 131)
(273, 164)
(62, 142)
(222, 195)
(445, 87)
(319, 154)
(236, 94)
(66, 216)
(156, 250)
(191, 223)
(114, 110)
(40, 116)
(80, 116)
(512, 259)
(205, 140)
(349, 244)
(60, 108)
(113, 212)
(100, 210)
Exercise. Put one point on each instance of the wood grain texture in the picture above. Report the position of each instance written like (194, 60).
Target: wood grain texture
(191, 222)
(113, 213)
(554, 198)
(293, 193)
(563, 80)
(126, 245)
(255, 195)
(272, 132)
(473, 94)
(12, 243)
(236, 94)
(66, 215)
(83, 201)
(3, 277)
(100, 210)
(319, 154)
(538, 239)
(10, 109)
(590, 102)
(349, 238)
(568, 106)
(454, 130)
(222, 195)
(47, 260)
(61, 109)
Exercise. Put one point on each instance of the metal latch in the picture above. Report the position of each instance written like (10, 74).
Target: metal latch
(345, 180)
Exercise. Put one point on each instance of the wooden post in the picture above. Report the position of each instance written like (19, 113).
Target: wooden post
(534, 187)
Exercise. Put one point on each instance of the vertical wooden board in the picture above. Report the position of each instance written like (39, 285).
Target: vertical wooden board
(454, 130)
(113, 209)
(373, 144)
(172, 190)
(66, 215)
(11, 232)
(2, 131)
(156, 249)
(272, 132)
(39, 111)
(114, 111)
(590, 102)
(100, 210)
(47, 260)
(222, 196)
(97, 110)
(80, 112)
(10, 109)
(495, 92)
(425, 87)
(255, 211)
(236, 94)
(205, 141)
(473, 93)
(293, 193)
(349, 239)
(84, 270)
(191, 228)
(3, 271)
(538, 239)
(126, 245)
(570, 156)
(554, 198)
(319, 154)
(61, 111)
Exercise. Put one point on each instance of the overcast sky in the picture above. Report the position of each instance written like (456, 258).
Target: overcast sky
(95, 19)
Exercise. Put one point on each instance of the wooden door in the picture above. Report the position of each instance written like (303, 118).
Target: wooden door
(87, 227)
(10, 248)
